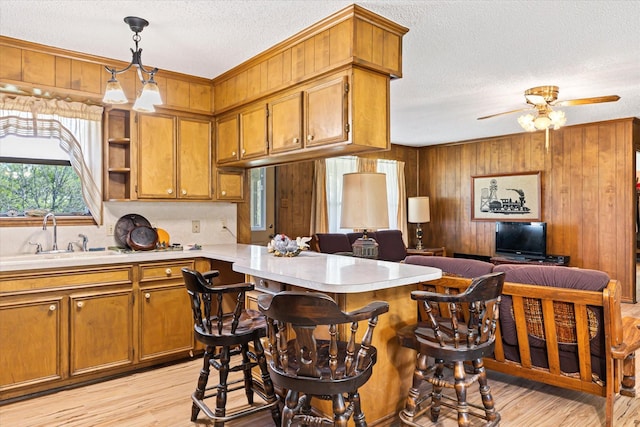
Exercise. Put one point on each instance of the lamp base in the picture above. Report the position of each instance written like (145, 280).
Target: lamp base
(365, 248)
(419, 237)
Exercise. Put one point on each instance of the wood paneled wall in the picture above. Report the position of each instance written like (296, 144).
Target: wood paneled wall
(588, 194)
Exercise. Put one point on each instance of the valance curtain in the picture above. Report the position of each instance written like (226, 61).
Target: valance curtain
(77, 127)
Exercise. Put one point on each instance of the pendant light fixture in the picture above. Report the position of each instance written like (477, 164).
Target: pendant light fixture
(150, 95)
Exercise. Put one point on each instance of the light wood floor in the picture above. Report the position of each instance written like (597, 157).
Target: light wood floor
(162, 397)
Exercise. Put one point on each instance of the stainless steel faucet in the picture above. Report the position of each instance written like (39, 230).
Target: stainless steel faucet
(85, 241)
(55, 229)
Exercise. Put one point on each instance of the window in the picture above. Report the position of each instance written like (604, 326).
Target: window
(258, 199)
(50, 160)
(37, 178)
(338, 166)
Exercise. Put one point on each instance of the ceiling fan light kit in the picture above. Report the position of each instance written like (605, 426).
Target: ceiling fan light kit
(542, 99)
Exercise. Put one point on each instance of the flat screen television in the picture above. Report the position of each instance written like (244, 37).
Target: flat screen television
(521, 239)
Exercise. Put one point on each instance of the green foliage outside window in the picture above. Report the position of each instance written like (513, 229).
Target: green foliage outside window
(37, 188)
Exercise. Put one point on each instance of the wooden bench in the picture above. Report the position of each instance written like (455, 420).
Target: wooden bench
(621, 337)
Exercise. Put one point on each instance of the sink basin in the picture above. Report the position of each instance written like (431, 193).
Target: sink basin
(57, 255)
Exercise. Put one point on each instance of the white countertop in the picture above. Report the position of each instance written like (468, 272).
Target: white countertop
(311, 270)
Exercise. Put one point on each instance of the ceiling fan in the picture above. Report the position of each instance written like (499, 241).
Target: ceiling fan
(543, 99)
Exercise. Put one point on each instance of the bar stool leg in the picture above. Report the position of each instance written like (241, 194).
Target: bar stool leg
(485, 390)
(339, 410)
(267, 383)
(221, 398)
(290, 404)
(436, 396)
(460, 386)
(246, 371)
(202, 381)
(358, 415)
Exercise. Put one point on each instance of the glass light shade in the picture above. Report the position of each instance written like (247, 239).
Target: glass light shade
(542, 122)
(143, 105)
(151, 93)
(526, 121)
(418, 210)
(364, 201)
(558, 119)
(114, 94)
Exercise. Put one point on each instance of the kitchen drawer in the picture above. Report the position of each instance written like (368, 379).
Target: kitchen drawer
(164, 270)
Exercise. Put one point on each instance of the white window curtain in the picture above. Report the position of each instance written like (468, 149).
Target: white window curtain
(396, 191)
(335, 168)
(76, 126)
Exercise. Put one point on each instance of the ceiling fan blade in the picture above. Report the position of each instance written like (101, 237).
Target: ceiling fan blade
(503, 113)
(583, 101)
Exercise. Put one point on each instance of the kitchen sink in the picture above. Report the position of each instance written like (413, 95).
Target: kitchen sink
(57, 255)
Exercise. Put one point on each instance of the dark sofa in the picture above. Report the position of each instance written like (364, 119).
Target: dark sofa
(390, 244)
(558, 325)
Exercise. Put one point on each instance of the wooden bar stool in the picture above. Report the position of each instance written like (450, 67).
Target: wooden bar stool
(457, 328)
(310, 361)
(230, 332)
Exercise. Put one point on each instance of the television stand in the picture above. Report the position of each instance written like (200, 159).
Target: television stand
(549, 261)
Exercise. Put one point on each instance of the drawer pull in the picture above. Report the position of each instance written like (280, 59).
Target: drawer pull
(296, 140)
(169, 191)
(52, 307)
(147, 295)
(233, 153)
(168, 271)
(309, 137)
(224, 193)
(184, 192)
(80, 304)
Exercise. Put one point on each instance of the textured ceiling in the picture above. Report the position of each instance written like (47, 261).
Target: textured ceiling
(461, 59)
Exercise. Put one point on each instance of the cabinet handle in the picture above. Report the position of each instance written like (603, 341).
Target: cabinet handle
(147, 295)
(184, 192)
(309, 137)
(52, 307)
(224, 193)
(233, 153)
(296, 140)
(168, 271)
(80, 304)
(244, 151)
(169, 190)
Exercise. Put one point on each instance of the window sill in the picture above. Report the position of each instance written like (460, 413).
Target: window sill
(37, 221)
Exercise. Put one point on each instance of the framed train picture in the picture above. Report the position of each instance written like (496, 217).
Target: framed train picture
(506, 197)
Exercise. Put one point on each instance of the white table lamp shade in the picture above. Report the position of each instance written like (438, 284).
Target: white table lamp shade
(364, 201)
(419, 210)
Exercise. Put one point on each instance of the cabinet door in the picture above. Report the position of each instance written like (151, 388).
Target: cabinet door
(33, 343)
(326, 112)
(194, 159)
(156, 156)
(253, 132)
(166, 321)
(101, 331)
(285, 118)
(230, 184)
(227, 138)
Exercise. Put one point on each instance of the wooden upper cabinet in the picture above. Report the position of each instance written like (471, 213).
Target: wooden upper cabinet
(38, 68)
(227, 138)
(326, 112)
(194, 159)
(156, 156)
(253, 131)
(285, 123)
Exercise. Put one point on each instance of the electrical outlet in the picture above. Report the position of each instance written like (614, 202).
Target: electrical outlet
(109, 229)
(223, 222)
(195, 226)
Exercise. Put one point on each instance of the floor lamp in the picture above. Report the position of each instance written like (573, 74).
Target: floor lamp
(418, 214)
(364, 207)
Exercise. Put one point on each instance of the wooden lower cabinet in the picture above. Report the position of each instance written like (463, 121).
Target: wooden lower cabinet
(101, 330)
(33, 342)
(165, 318)
(66, 326)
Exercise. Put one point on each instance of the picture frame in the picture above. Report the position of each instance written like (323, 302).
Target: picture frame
(506, 197)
